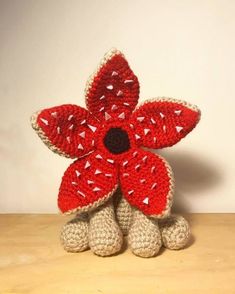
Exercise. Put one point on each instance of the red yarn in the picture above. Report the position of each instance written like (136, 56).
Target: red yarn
(86, 182)
(146, 182)
(70, 128)
(103, 158)
(114, 89)
(165, 122)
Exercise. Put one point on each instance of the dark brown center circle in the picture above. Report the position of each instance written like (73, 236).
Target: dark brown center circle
(117, 141)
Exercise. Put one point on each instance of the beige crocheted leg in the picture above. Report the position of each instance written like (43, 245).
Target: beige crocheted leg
(74, 234)
(105, 236)
(124, 215)
(144, 236)
(175, 232)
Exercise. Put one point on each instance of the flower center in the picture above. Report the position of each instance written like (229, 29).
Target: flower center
(116, 140)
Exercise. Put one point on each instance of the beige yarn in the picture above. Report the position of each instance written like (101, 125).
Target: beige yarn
(144, 236)
(124, 215)
(175, 232)
(74, 234)
(105, 236)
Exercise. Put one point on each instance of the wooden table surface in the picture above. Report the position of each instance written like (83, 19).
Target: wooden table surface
(32, 261)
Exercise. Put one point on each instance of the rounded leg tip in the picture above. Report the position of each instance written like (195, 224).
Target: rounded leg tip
(144, 236)
(105, 236)
(146, 252)
(74, 236)
(106, 247)
(175, 232)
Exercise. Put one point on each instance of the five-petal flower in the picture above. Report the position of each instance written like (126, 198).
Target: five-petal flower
(106, 141)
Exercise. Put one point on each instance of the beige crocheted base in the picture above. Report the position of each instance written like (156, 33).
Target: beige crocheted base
(124, 213)
(74, 234)
(105, 236)
(98, 231)
(101, 233)
(175, 232)
(144, 236)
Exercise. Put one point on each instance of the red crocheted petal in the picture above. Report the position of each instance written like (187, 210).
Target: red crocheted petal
(87, 183)
(147, 183)
(113, 90)
(163, 122)
(67, 129)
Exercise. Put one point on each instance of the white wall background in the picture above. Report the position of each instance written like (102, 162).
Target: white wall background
(182, 49)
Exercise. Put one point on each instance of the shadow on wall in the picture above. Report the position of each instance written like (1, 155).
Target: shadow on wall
(192, 175)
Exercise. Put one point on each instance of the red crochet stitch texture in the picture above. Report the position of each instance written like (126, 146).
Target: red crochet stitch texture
(107, 138)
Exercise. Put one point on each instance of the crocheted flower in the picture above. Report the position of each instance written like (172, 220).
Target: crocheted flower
(107, 138)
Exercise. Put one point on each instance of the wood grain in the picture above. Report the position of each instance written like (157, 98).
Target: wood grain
(32, 261)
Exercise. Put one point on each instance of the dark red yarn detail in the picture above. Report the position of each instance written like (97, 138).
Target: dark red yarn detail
(121, 82)
(64, 126)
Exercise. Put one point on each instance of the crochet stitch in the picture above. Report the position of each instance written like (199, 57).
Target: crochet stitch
(107, 138)
(145, 235)
(74, 234)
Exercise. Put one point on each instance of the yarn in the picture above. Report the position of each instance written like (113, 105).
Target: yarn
(66, 129)
(143, 233)
(106, 140)
(123, 214)
(87, 184)
(113, 90)
(105, 236)
(144, 237)
(74, 235)
(163, 122)
(116, 141)
(175, 232)
(147, 183)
